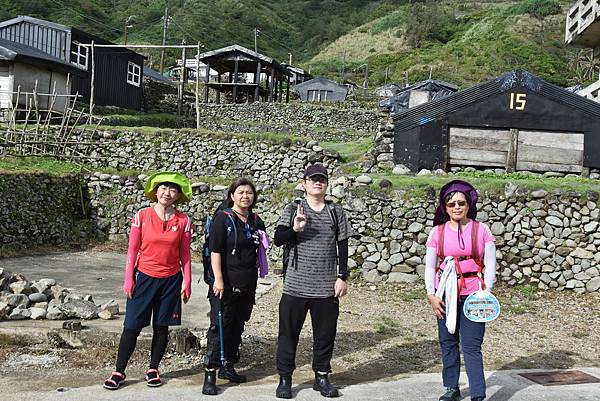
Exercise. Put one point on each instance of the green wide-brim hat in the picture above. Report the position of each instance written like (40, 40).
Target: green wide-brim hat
(168, 176)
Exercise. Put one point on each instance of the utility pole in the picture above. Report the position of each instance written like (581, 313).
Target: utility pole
(256, 32)
(181, 81)
(128, 25)
(164, 39)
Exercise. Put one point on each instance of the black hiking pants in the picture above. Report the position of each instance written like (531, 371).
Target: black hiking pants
(292, 313)
(236, 308)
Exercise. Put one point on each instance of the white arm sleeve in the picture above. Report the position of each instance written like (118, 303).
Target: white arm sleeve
(431, 259)
(489, 261)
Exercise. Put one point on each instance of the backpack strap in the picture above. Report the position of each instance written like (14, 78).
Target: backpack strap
(440, 246)
(475, 250)
(333, 216)
(229, 213)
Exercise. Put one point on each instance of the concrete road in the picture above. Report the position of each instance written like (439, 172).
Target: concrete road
(502, 386)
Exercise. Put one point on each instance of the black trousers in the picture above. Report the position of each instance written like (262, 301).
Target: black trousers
(236, 308)
(292, 313)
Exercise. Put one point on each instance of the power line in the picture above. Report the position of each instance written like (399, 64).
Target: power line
(183, 30)
(262, 32)
(86, 16)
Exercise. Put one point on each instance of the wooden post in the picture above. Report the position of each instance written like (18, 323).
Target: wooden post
(271, 81)
(257, 82)
(280, 90)
(206, 78)
(287, 91)
(92, 79)
(235, 80)
(181, 82)
(198, 86)
(275, 88)
(219, 91)
(511, 155)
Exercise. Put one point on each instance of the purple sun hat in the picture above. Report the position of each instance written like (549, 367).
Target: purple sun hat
(456, 186)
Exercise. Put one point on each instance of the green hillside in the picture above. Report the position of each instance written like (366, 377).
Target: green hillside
(463, 42)
(300, 27)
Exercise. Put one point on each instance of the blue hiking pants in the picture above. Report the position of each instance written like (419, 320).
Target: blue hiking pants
(469, 335)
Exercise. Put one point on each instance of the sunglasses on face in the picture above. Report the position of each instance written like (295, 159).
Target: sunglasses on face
(317, 178)
(457, 203)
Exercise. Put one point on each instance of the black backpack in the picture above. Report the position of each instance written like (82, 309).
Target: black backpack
(292, 245)
(209, 277)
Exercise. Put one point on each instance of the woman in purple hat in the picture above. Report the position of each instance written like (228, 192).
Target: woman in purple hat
(461, 259)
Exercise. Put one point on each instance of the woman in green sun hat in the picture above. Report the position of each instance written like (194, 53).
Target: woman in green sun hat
(158, 272)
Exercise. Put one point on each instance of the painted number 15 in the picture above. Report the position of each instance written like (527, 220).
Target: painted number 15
(518, 101)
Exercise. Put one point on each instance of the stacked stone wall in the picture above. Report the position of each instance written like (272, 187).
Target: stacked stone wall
(547, 240)
(40, 209)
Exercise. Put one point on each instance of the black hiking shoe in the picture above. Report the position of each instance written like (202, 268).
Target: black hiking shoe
(323, 385)
(284, 389)
(452, 394)
(228, 372)
(210, 382)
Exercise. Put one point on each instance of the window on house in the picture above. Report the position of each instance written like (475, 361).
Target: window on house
(319, 95)
(79, 55)
(134, 75)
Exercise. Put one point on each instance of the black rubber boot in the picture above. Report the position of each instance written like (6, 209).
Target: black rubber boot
(452, 394)
(228, 372)
(284, 389)
(323, 385)
(210, 382)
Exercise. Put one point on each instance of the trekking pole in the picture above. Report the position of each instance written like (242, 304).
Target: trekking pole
(222, 347)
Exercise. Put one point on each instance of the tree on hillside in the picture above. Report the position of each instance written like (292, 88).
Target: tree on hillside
(584, 66)
(428, 21)
(539, 9)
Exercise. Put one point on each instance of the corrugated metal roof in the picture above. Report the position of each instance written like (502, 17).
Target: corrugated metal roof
(320, 80)
(157, 76)
(11, 50)
(435, 109)
(234, 48)
(37, 21)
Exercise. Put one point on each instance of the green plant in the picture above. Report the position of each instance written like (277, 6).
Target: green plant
(412, 294)
(387, 326)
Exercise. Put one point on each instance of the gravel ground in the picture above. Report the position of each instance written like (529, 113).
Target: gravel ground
(384, 332)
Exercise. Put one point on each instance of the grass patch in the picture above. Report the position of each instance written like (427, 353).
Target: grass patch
(412, 294)
(515, 309)
(350, 151)
(33, 164)
(387, 326)
(10, 341)
(580, 334)
(527, 290)
(423, 186)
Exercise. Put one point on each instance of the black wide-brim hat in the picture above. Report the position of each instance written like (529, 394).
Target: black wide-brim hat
(456, 186)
